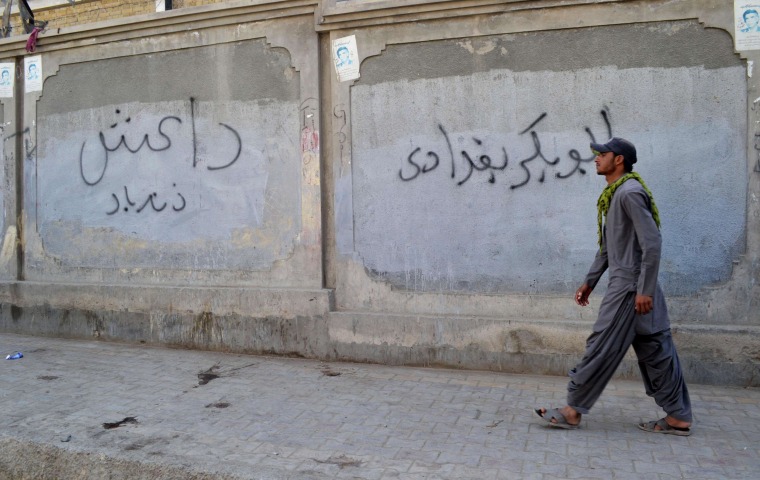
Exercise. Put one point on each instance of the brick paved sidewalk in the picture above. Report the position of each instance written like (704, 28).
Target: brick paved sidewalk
(213, 415)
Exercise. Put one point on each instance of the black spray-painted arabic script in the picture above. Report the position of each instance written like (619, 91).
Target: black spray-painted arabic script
(92, 169)
(465, 163)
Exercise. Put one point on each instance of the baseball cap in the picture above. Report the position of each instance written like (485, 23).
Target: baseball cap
(619, 146)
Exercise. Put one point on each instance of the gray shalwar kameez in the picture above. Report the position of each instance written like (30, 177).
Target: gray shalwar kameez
(630, 250)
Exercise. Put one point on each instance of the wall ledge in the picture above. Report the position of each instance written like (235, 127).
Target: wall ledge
(158, 24)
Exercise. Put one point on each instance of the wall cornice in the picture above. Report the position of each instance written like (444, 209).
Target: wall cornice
(160, 23)
(352, 14)
(333, 15)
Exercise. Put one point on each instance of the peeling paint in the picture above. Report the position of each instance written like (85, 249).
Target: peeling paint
(481, 47)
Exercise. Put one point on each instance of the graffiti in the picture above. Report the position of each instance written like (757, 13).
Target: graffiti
(239, 148)
(93, 168)
(340, 114)
(151, 198)
(122, 142)
(29, 148)
(576, 156)
(195, 135)
(418, 164)
(147, 142)
(309, 132)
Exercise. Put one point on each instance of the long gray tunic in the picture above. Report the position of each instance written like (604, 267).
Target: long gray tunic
(631, 245)
(630, 250)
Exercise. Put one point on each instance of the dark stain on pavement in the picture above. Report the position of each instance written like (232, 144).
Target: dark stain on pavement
(47, 377)
(208, 375)
(218, 405)
(109, 426)
(328, 372)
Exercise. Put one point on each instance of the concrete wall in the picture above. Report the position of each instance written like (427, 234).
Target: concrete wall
(465, 197)
(186, 163)
(201, 177)
(489, 138)
(168, 175)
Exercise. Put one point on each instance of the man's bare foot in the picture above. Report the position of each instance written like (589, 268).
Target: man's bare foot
(675, 423)
(572, 417)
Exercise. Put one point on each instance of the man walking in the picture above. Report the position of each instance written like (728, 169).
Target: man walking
(633, 311)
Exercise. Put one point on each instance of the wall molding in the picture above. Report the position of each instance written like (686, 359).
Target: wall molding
(351, 14)
(158, 24)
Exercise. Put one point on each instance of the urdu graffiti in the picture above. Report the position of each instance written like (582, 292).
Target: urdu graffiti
(94, 160)
(476, 159)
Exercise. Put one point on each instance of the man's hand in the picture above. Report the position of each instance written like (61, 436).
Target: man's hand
(581, 295)
(644, 304)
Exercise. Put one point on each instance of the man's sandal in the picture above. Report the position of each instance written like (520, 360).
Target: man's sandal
(559, 420)
(665, 428)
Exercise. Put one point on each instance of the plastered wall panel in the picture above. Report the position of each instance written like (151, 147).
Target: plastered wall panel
(5, 186)
(7, 191)
(479, 178)
(189, 160)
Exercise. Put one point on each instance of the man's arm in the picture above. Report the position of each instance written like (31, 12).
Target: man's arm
(598, 267)
(636, 205)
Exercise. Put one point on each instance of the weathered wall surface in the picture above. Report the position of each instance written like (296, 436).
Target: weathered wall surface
(177, 161)
(169, 183)
(489, 138)
(8, 261)
(188, 162)
(6, 188)
(465, 192)
(201, 177)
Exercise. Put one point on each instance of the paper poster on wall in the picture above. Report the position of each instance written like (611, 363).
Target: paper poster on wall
(33, 72)
(346, 58)
(747, 25)
(7, 74)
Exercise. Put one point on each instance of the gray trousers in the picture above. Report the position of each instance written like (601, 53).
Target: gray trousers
(657, 357)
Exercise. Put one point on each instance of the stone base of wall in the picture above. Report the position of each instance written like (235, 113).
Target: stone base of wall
(713, 355)
(302, 322)
(229, 319)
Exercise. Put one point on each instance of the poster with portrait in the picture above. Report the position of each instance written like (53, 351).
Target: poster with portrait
(7, 74)
(33, 74)
(346, 58)
(747, 25)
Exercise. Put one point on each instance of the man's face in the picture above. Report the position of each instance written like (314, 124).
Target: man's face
(751, 19)
(343, 55)
(605, 163)
(6, 75)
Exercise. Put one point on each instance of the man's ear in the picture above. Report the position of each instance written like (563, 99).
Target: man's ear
(619, 159)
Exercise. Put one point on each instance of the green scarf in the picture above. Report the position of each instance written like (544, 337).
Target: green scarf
(603, 204)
